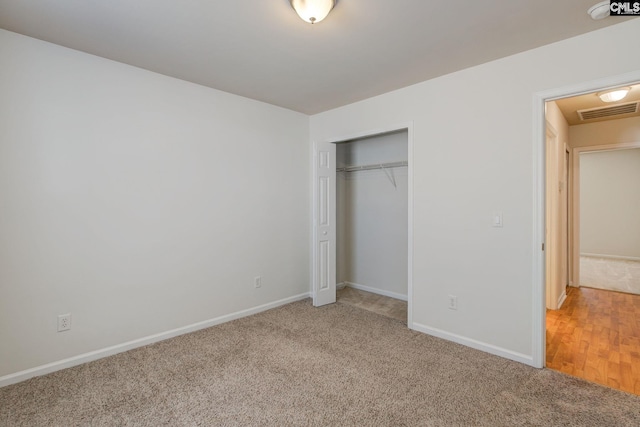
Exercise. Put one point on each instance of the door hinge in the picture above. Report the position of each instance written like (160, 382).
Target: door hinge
(543, 246)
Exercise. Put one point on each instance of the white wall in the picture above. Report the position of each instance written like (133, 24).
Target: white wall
(372, 215)
(137, 202)
(610, 203)
(128, 192)
(473, 155)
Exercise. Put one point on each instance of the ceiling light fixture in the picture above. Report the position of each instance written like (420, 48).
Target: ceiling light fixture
(600, 10)
(313, 11)
(613, 95)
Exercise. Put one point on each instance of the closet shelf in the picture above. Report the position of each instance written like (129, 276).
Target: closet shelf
(373, 166)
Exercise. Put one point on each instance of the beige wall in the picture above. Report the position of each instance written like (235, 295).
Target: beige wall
(610, 203)
(603, 133)
(556, 204)
(556, 119)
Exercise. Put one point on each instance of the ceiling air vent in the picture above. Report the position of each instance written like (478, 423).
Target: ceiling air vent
(615, 110)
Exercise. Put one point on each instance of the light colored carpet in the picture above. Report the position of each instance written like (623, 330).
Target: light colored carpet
(305, 366)
(390, 307)
(610, 274)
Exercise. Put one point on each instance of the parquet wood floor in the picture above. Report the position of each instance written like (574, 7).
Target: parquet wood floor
(595, 335)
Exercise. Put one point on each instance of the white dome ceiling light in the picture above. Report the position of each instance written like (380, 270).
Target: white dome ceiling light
(313, 11)
(600, 10)
(613, 95)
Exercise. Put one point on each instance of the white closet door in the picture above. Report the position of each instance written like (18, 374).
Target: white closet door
(324, 224)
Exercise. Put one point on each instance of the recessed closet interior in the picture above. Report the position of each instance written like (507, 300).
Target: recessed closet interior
(372, 214)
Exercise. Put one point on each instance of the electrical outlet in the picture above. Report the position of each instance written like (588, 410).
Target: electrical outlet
(257, 282)
(64, 322)
(453, 302)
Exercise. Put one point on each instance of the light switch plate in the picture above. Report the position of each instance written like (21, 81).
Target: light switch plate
(497, 219)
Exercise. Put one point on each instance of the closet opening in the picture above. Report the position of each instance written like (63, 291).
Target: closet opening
(372, 223)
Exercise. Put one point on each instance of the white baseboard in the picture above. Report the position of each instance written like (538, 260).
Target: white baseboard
(478, 345)
(561, 299)
(625, 258)
(376, 291)
(130, 345)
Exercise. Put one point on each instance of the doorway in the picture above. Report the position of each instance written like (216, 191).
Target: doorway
(590, 335)
(371, 223)
(609, 202)
(539, 227)
(366, 168)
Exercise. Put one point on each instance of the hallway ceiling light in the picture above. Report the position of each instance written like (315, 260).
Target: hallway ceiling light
(313, 11)
(614, 95)
(600, 10)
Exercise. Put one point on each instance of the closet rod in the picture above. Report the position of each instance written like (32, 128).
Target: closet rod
(374, 166)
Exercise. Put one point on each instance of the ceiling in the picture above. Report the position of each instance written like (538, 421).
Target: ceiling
(570, 106)
(260, 48)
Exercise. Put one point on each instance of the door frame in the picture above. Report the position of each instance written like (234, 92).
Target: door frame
(408, 126)
(575, 196)
(551, 141)
(539, 193)
(568, 247)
